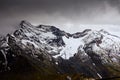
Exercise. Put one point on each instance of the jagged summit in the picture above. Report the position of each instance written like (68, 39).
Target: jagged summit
(24, 23)
(49, 43)
(57, 41)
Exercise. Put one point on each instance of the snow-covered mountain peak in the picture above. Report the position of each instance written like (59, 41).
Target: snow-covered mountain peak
(60, 43)
(87, 51)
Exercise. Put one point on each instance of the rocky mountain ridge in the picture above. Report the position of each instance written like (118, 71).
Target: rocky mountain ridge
(87, 52)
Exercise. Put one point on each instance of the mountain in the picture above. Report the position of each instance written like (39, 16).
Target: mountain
(51, 51)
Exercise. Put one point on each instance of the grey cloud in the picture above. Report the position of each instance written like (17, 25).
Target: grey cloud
(66, 14)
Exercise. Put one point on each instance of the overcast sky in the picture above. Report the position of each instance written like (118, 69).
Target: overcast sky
(69, 15)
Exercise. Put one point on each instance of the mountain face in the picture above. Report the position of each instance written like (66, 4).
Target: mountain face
(95, 54)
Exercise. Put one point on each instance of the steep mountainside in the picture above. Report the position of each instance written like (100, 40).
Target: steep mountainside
(51, 51)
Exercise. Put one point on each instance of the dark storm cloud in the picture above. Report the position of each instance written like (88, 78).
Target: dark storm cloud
(66, 13)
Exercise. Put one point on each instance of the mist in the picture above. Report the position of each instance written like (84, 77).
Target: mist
(69, 15)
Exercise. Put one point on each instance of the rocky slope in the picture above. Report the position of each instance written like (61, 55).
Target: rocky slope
(51, 51)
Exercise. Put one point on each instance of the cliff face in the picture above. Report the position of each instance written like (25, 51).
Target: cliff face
(51, 51)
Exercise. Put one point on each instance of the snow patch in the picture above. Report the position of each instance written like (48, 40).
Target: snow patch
(99, 76)
(28, 41)
(48, 35)
(71, 47)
